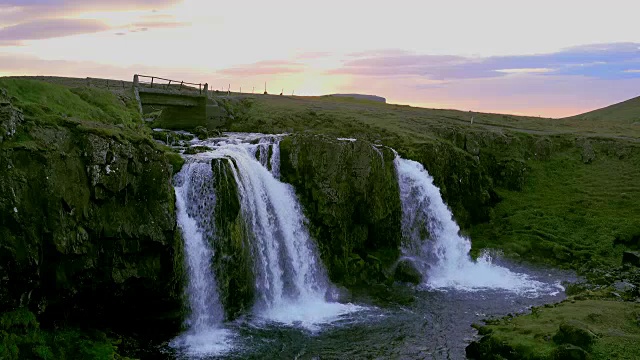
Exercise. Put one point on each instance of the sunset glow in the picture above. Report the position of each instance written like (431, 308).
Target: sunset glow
(487, 56)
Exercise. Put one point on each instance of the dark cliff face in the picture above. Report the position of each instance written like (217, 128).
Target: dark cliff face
(350, 195)
(88, 228)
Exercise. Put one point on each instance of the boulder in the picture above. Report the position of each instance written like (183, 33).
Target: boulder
(631, 258)
(569, 352)
(407, 272)
(575, 333)
(623, 286)
(587, 152)
(490, 347)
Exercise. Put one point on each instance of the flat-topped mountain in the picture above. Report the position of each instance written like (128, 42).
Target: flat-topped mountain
(362, 96)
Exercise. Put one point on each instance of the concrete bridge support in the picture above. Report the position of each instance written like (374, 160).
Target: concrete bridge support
(180, 107)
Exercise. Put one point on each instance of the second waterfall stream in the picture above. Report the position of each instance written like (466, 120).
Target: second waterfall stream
(291, 284)
(432, 242)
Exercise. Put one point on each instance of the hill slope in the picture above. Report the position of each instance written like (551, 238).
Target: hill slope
(624, 112)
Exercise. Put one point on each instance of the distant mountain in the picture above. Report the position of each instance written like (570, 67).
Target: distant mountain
(362, 96)
(625, 112)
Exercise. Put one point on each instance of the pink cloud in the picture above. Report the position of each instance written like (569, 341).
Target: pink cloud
(50, 28)
(17, 11)
(266, 67)
(526, 94)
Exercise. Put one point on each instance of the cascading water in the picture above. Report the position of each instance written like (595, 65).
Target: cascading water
(433, 243)
(195, 200)
(268, 153)
(291, 282)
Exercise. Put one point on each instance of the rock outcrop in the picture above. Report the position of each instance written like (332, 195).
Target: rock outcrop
(10, 117)
(350, 195)
(87, 228)
(232, 261)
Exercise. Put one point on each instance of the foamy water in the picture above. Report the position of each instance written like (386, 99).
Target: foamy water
(290, 279)
(432, 241)
(195, 200)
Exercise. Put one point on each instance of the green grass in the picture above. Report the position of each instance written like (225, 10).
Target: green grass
(623, 113)
(66, 102)
(52, 103)
(616, 325)
(565, 213)
(373, 120)
(568, 212)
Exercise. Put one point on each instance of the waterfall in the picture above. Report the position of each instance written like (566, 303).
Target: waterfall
(268, 153)
(432, 241)
(291, 283)
(195, 200)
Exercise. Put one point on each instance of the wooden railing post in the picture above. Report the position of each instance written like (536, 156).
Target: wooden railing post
(202, 88)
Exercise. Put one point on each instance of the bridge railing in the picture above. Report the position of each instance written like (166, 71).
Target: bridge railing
(169, 84)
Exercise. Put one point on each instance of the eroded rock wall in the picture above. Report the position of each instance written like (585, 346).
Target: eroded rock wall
(88, 229)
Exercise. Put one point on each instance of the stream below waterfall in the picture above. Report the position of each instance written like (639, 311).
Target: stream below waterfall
(403, 323)
(295, 315)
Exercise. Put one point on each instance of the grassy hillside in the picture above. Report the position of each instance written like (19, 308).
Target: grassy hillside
(578, 200)
(623, 113)
(563, 191)
(558, 191)
(348, 115)
(606, 330)
(45, 101)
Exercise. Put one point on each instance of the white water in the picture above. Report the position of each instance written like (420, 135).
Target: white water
(291, 282)
(195, 201)
(433, 243)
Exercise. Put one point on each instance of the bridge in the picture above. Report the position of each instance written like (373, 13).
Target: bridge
(177, 104)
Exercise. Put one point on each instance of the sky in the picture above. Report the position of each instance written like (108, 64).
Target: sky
(549, 58)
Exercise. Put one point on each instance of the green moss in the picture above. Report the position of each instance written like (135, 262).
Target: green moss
(43, 101)
(176, 160)
(22, 338)
(232, 261)
(110, 195)
(569, 212)
(350, 196)
(538, 335)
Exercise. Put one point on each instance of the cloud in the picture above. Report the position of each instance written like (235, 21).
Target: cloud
(607, 61)
(93, 4)
(268, 67)
(12, 65)
(530, 94)
(50, 28)
(55, 28)
(146, 25)
(18, 11)
(379, 52)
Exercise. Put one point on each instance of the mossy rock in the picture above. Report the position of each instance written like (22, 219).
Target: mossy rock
(570, 352)
(350, 195)
(87, 225)
(575, 333)
(232, 262)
